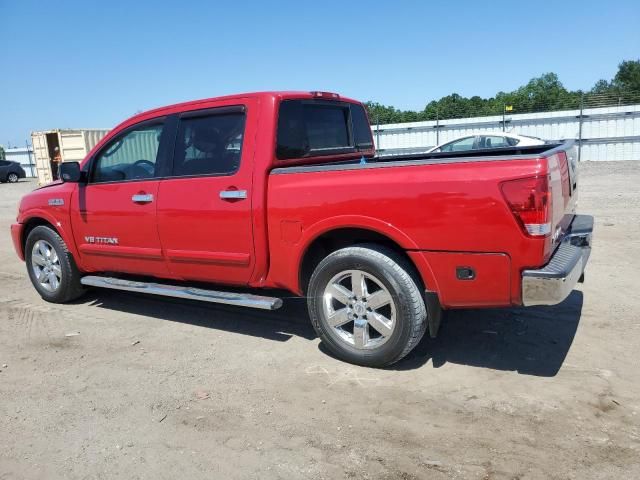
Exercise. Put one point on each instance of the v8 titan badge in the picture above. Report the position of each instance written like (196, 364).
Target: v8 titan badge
(102, 240)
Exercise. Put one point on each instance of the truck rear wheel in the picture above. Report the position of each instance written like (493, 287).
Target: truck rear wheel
(366, 305)
(51, 267)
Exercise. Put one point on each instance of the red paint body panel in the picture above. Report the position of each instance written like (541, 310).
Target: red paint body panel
(35, 207)
(16, 238)
(456, 207)
(107, 210)
(491, 286)
(444, 215)
(203, 234)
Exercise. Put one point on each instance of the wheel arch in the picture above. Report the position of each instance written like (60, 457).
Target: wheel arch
(329, 241)
(42, 219)
(32, 223)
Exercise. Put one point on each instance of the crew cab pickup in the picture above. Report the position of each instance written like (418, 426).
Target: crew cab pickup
(283, 191)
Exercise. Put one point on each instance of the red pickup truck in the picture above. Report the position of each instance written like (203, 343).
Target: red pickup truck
(283, 191)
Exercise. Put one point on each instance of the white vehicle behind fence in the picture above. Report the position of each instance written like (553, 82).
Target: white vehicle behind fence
(477, 141)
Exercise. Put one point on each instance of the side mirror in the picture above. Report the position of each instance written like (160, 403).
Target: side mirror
(70, 172)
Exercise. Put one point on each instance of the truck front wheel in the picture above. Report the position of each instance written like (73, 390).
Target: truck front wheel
(366, 305)
(51, 267)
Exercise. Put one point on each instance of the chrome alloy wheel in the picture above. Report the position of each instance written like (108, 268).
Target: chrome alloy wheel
(359, 308)
(46, 265)
(12, 178)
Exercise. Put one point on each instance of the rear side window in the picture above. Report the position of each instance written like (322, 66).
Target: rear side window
(311, 128)
(361, 129)
(491, 141)
(209, 145)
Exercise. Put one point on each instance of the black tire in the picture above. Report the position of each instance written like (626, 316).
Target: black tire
(69, 287)
(387, 269)
(13, 177)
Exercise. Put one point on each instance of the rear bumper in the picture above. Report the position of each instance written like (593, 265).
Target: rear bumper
(554, 282)
(16, 236)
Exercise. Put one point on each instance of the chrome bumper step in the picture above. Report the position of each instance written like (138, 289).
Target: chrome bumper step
(554, 282)
(189, 293)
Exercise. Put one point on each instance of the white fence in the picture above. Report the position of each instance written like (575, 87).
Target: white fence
(611, 133)
(24, 156)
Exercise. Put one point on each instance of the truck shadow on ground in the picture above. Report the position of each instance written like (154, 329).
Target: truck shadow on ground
(280, 325)
(530, 341)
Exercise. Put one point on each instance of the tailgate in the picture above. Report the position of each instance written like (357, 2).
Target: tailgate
(563, 182)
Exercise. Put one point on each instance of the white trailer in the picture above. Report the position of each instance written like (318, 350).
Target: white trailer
(73, 144)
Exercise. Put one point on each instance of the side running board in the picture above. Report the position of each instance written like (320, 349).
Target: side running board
(228, 298)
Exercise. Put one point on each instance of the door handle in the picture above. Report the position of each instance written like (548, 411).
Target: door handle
(142, 198)
(233, 194)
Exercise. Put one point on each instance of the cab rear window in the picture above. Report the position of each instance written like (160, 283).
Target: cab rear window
(309, 128)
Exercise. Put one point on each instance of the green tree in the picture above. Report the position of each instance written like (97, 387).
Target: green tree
(602, 87)
(628, 77)
(624, 88)
(2, 154)
(540, 94)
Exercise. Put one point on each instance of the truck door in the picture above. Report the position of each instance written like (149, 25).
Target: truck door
(204, 205)
(114, 214)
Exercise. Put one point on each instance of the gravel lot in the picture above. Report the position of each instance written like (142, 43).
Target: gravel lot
(124, 386)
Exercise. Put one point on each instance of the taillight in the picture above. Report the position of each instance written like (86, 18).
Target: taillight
(530, 202)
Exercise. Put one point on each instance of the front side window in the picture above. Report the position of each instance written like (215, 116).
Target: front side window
(131, 156)
(459, 145)
(311, 128)
(209, 145)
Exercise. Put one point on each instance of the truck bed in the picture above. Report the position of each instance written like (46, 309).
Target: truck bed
(489, 154)
(446, 210)
(481, 152)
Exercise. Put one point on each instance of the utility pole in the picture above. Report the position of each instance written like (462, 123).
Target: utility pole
(506, 108)
(26, 142)
(580, 126)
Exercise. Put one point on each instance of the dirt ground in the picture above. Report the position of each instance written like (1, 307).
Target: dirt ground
(119, 385)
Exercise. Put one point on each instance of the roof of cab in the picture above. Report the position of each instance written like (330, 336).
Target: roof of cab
(176, 107)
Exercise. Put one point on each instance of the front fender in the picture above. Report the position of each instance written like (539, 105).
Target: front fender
(59, 220)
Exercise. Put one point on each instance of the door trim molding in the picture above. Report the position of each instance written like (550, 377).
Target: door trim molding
(220, 258)
(119, 251)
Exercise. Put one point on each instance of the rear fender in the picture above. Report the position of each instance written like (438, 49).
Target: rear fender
(309, 235)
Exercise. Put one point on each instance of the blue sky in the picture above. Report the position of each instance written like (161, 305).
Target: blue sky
(86, 64)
